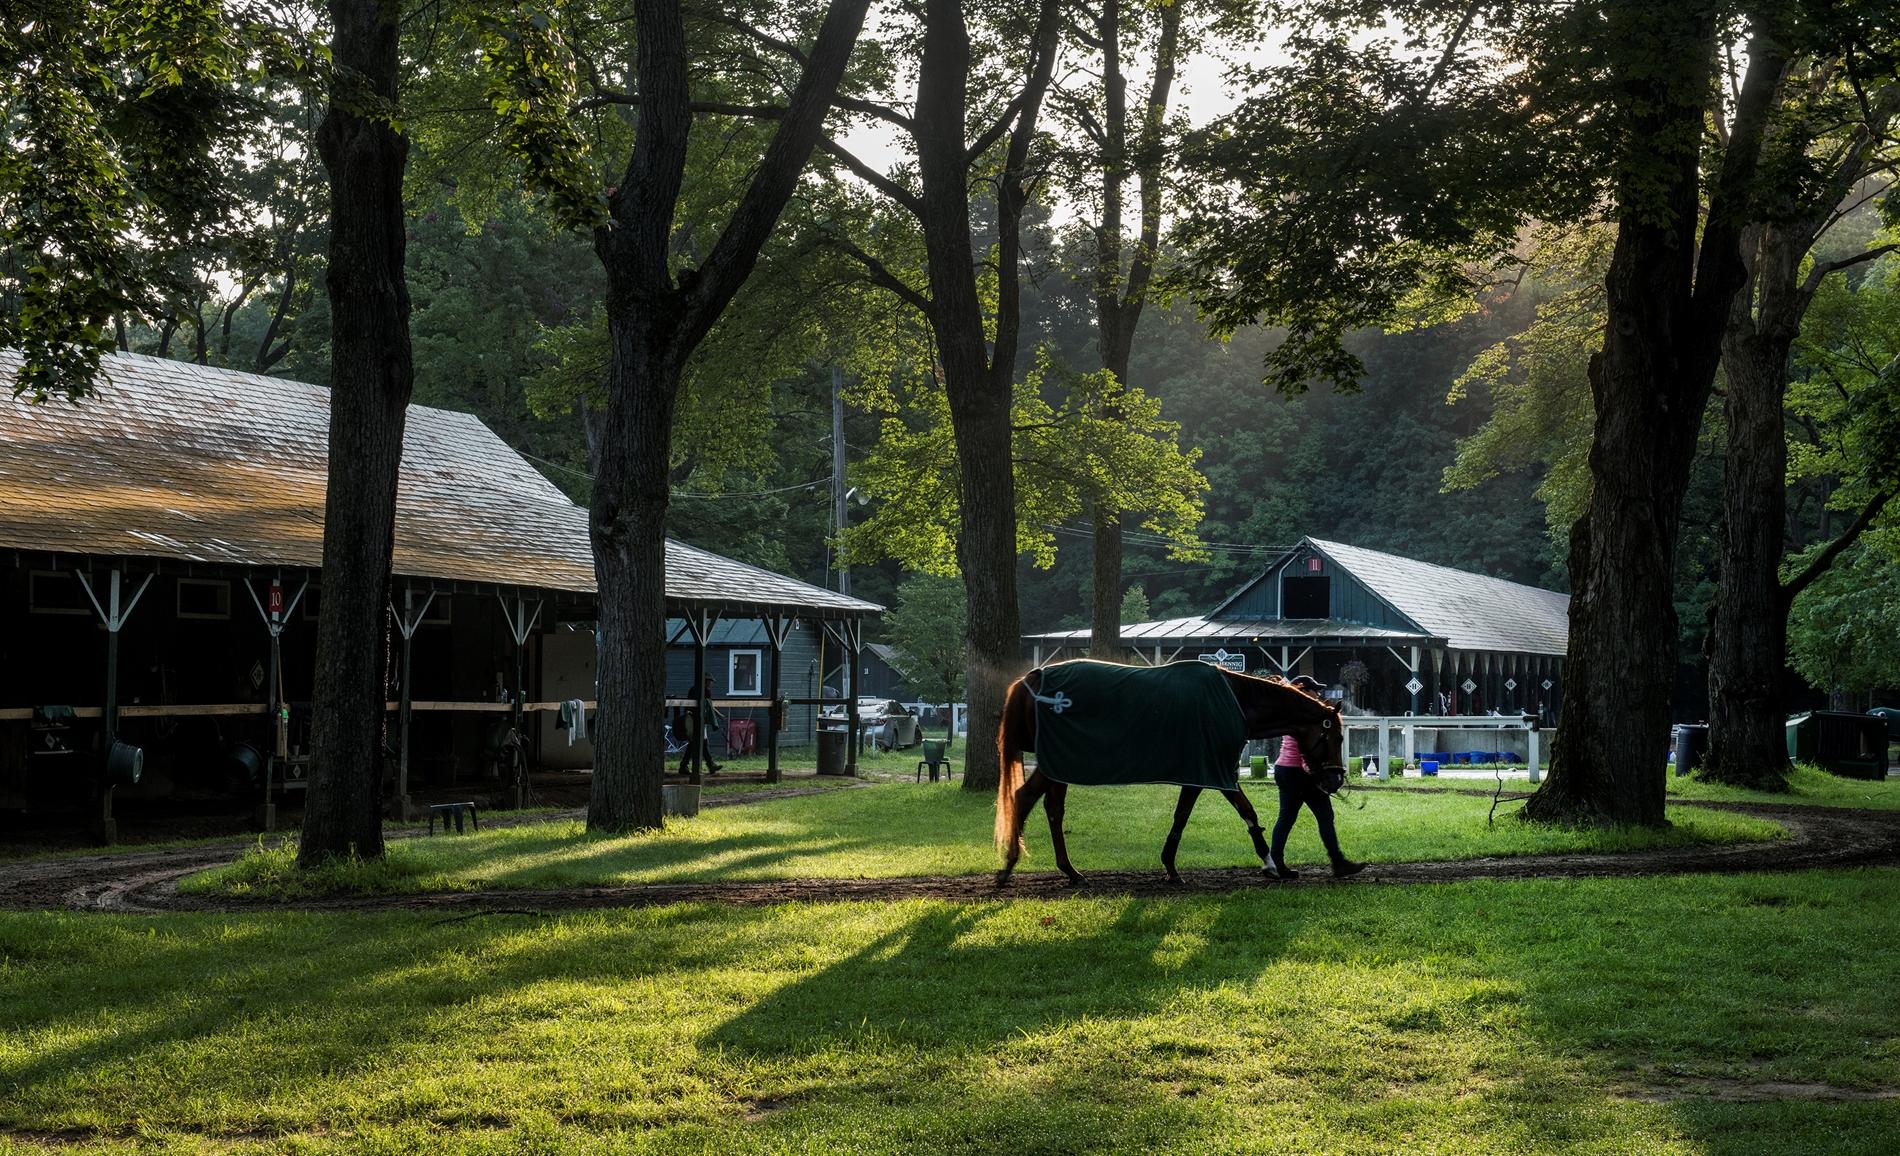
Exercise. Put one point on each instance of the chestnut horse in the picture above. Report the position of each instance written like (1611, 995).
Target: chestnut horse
(1271, 706)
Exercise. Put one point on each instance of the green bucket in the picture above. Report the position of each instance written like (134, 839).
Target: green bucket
(1259, 770)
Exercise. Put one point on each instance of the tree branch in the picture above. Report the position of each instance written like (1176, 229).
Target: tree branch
(996, 129)
(880, 276)
(1820, 563)
(872, 177)
(1821, 270)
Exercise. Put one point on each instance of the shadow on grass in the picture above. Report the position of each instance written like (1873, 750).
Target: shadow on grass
(1366, 1018)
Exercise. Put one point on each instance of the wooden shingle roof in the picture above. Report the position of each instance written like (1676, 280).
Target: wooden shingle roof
(197, 464)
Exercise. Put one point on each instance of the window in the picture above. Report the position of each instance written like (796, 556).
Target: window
(744, 673)
(57, 592)
(204, 598)
(1306, 597)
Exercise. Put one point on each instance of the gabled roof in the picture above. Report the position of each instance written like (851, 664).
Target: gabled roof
(196, 464)
(1273, 631)
(1469, 611)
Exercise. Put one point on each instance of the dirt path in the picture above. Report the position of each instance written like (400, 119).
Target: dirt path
(146, 881)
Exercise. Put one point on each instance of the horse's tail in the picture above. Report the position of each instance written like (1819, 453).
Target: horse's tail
(1009, 748)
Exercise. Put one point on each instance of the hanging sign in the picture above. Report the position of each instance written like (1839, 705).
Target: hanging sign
(1469, 686)
(1548, 684)
(276, 600)
(1414, 686)
(1234, 662)
(1510, 684)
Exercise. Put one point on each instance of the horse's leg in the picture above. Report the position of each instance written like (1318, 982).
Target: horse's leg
(1052, 806)
(1032, 789)
(1245, 806)
(1182, 809)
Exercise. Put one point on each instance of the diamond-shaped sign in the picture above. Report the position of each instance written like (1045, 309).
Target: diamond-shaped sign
(1469, 686)
(1510, 684)
(1548, 684)
(1414, 686)
(257, 674)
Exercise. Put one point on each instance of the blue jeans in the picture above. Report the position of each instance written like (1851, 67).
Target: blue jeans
(1296, 788)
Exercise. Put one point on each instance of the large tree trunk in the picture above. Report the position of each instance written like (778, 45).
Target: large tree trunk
(1667, 306)
(979, 410)
(1749, 627)
(627, 522)
(1119, 295)
(370, 381)
(1105, 598)
(656, 317)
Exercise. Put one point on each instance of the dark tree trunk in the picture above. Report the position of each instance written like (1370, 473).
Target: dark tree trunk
(1120, 294)
(656, 318)
(1748, 628)
(1748, 635)
(370, 381)
(1667, 305)
(978, 381)
(1105, 600)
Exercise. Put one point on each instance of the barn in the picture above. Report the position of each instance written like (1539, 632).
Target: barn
(1387, 635)
(160, 581)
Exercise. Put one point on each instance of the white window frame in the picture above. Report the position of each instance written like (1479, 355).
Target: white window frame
(758, 673)
(34, 608)
(178, 597)
(439, 613)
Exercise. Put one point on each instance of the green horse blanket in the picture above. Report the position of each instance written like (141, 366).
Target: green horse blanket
(1100, 724)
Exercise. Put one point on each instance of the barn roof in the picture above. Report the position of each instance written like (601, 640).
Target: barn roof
(1469, 611)
(1185, 631)
(191, 464)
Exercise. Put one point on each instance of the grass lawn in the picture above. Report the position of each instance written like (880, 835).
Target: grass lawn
(1806, 785)
(1493, 1018)
(939, 829)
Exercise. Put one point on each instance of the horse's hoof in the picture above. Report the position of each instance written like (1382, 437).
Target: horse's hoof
(1078, 881)
(1002, 879)
(1175, 881)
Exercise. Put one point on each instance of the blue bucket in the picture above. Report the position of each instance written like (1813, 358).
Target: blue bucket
(1429, 768)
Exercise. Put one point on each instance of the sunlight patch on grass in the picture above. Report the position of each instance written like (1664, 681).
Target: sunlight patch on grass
(1460, 1020)
(898, 830)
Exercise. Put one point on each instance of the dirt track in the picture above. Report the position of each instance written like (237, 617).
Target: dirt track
(146, 881)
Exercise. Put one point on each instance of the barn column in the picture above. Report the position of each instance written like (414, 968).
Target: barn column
(407, 620)
(777, 627)
(107, 827)
(700, 621)
(520, 625)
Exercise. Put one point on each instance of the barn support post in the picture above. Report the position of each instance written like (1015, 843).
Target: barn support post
(520, 625)
(777, 627)
(276, 616)
(853, 633)
(700, 621)
(1415, 678)
(106, 827)
(400, 809)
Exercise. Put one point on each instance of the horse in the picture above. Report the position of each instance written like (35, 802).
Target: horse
(1270, 707)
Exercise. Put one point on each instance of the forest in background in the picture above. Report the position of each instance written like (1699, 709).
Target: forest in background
(1366, 468)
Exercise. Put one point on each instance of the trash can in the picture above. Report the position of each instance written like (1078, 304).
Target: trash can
(1692, 742)
(831, 751)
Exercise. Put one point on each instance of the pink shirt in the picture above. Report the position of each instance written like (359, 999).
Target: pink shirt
(1290, 755)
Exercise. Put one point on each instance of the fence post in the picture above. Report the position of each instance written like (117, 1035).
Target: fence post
(1385, 771)
(1536, 774)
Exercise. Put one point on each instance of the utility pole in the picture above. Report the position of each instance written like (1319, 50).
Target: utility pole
(837, 469)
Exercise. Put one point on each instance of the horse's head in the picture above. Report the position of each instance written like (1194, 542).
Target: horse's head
(1274, 706)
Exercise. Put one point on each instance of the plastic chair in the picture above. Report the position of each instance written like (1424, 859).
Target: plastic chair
(935, 759)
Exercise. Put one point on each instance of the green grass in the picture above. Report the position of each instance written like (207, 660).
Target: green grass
(1481, 1018)
(901, 829)
(1808, 785)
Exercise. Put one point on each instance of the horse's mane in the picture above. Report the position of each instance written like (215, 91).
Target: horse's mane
(1296, 688)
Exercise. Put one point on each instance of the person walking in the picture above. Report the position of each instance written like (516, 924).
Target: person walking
(702, 735)
(1299, 786)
